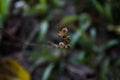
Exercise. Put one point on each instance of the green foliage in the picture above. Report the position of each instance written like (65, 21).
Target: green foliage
(43, 29)
(105, 68)
(75, 37)
(43, 5)
(37, 63)
(48, 71)
(58, 3)
(108, 45)
(79, 58)
(108, 12)
(105, 10)
(69, 19)
(47, 56)
(1, 22)
(93, 34)
(85, 22)
(98, 6)
(115, 29)
(4, 9)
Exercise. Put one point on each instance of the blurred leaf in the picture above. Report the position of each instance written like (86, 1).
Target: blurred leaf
(98, 6)
(45, 55)
(49, 56)
(34, 10)
(93, 33)
(31, 10)
(59, 3)
(99, 57)
(108, 45)
(62, 66)
(105, 68)
(12, 69)
(37, 63)
(4, 7)
(75, 37)
(47, 72)
(115, 29)
(43, 29)
(69, 19)
(81, 56)
(43, 4)
(84, 21)
(85, 41)
(108, 10)
(1, 22)
(117, 63)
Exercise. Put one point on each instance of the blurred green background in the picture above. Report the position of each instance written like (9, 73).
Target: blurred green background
(29, 34)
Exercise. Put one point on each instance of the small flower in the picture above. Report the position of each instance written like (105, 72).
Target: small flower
(61, 45)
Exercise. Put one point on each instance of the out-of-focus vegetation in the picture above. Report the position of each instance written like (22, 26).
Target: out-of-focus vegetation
(30, 35)
(12, 70)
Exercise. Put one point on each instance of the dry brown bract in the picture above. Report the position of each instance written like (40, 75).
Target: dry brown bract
(63, 33)
(61, 45)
